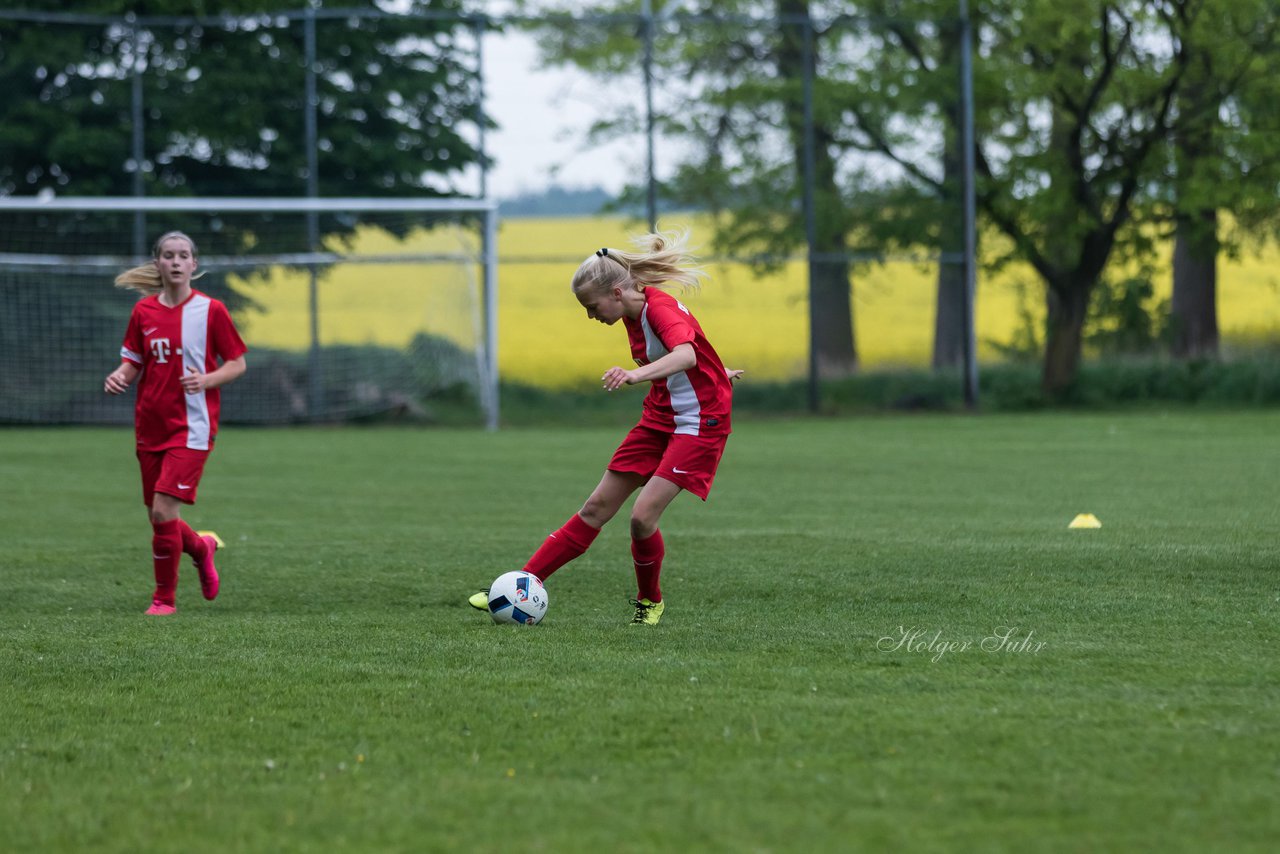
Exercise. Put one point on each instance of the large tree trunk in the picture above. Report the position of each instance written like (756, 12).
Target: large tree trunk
(1195, 250)
(1195, 286)
(948, 325)
(832, 310)
(949, 330)
(832, 332)
(1068, 305)
(1073, 260)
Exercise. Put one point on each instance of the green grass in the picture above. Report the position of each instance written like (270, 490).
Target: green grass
(341, 696)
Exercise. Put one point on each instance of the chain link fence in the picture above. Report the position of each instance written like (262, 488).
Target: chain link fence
(834, 231)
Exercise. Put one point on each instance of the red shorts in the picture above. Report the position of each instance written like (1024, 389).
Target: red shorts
(689, 462)
(174, 471)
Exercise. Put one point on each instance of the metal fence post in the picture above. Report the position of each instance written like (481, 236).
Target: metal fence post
(651, 195)
(315, 371)
(138, 146)
(970, 210)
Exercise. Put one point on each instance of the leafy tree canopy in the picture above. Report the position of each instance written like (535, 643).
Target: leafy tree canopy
(223, 99)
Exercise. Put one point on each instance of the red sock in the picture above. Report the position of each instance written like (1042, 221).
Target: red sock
(192, 543)
(166, 551)
(648, 554)
(573, 538)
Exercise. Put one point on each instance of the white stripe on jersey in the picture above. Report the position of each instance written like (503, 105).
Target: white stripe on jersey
(195, 343)
(126, 353)
(684, 400)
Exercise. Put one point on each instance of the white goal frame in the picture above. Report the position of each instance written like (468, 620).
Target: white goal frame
(486, 208)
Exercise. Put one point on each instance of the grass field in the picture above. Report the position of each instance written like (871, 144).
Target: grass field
(1058, 690)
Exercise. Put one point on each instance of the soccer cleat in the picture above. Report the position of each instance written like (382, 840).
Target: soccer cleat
(208, 574)
(479, 600)
(647, 613)
(159, 609)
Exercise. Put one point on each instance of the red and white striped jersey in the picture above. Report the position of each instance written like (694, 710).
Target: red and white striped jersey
(696, 402)
(165, 343)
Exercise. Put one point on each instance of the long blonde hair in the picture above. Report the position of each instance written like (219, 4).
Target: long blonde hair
(663, 260)
(145, 279)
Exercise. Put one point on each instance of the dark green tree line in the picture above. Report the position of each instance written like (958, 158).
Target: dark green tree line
(223, 102)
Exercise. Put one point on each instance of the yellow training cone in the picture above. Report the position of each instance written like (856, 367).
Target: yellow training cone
(1085, 520)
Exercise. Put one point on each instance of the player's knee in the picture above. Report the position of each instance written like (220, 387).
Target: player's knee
(596, 512)
(642, 526)
(164, 511)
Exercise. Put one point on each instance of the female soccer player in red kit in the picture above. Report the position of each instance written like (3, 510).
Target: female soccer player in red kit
(686, 417)
(175, 339)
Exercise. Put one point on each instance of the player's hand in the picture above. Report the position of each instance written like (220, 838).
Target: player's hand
(616, 378)
(193, 382)
(733, 375)
(116, 383)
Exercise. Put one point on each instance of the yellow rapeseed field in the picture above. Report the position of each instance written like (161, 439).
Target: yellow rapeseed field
(759, 324)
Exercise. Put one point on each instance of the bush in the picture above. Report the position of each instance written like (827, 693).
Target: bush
(1016, 387)
(1011, 387)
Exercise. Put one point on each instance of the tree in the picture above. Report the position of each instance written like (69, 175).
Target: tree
(1086, 103)
(795, 58)
(1220, 157)
(735, 91)
(899, 95)
(1073, 116)
(223, 100)
(1194, 314)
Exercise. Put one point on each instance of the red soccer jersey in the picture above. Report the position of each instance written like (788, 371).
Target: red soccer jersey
(696, 402)
(164, 342)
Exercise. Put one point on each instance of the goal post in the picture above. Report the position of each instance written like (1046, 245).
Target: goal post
(353, 308)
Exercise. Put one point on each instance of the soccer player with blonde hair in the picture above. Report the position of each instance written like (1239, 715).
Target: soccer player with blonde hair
(685, 421)
(180, 347)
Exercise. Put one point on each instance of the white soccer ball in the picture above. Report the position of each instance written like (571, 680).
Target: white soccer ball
(517, 597)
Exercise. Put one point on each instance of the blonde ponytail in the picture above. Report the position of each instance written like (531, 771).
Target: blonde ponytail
(145, 280)
(663, 260)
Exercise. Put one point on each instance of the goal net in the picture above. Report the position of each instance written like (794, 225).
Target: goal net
(353, 309)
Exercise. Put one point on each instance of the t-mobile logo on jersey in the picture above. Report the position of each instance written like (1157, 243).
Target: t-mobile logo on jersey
(160, 346)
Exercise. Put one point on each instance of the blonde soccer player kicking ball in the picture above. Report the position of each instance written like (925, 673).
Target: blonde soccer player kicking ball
(685, 421)
(180, 347)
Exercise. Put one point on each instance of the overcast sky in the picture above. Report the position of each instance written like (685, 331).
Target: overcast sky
(543, 117)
